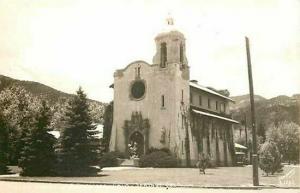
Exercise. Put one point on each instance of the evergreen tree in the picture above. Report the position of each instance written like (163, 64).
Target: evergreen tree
(37, 157)
(78, 145)
(3, 146)
(107, 125)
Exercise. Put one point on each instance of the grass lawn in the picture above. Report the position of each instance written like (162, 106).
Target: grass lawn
(222, 176)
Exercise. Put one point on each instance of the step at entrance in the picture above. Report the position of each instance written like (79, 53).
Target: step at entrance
(127, 162)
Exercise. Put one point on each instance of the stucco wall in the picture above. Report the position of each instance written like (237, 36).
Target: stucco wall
(159, 81)
(172, 81)
(195, 93)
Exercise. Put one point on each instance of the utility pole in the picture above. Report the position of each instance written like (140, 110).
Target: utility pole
(254, 145)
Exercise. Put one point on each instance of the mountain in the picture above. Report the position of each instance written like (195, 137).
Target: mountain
(243, 101)
(36, 89)
(268, 111)
(51, 95)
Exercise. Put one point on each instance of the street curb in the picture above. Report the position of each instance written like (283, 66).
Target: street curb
(151, 185)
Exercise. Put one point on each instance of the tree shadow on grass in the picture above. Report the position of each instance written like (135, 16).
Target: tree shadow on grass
(206, 174)
(101, 175)
(81, 176)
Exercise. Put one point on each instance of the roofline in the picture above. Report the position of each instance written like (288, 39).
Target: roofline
(215, 116)
(134, 62)
(207, 90)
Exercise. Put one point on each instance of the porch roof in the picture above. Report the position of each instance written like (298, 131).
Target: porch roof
(203, 88)
(215, 116)
(236, 145)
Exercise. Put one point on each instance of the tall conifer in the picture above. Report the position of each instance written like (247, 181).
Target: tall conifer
(3, 145)
(78, 145)
(37, 157)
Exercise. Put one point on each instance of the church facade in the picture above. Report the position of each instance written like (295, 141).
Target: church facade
(157, 105)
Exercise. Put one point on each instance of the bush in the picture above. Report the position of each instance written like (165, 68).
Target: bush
(153, 149)
(270, 158)
(110, 159)
(286, 135)
(158, 159)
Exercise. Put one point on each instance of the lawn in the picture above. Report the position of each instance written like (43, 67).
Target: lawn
(222, 176)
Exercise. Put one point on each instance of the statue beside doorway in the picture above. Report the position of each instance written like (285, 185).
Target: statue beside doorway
(133, 150)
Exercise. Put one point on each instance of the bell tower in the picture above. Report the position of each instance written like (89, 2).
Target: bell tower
(151, 101)
(170, 46)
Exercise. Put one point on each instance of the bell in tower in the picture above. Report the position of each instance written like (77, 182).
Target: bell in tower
(170, 46)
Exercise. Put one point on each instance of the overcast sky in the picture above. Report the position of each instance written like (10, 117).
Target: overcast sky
(67, 43)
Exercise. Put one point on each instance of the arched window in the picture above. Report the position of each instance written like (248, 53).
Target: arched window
(163, 54)
(181, 53)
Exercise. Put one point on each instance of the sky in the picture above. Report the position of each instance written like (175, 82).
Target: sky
(70, 43)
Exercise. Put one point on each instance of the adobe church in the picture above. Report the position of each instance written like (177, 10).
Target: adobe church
(157, 105)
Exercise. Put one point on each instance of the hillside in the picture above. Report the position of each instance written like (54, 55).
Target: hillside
(36, 89)
(243, 101)
(268, 111)
(53, 96)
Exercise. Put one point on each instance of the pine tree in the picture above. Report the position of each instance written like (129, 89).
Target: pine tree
(37, 157)
(3, 146)
(78, 145)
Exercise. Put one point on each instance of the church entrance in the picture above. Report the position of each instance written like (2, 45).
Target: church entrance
(137, 140)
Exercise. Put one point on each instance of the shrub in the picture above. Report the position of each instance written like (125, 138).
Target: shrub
(270, 158)
(110, 159)
(153, 149)
(158, 159)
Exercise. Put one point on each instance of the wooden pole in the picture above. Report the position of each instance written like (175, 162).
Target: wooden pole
(254, 145)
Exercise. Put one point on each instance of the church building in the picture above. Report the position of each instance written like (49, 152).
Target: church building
(157, 105)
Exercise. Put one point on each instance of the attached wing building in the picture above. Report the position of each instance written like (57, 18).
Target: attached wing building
(157, 105)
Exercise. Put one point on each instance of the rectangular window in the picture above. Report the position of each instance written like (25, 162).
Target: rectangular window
(222, 107)
(182, 147)
(217, 105)
(139, 71)
(208, 103)
(200, 100)
(191, 99)
(181, 95)
(162, 101)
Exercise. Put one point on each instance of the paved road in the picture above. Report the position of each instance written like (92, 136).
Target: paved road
(27, 187)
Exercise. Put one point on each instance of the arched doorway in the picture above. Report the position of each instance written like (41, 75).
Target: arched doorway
(138, 138)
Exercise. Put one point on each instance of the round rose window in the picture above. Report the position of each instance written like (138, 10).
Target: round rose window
(138, 89)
